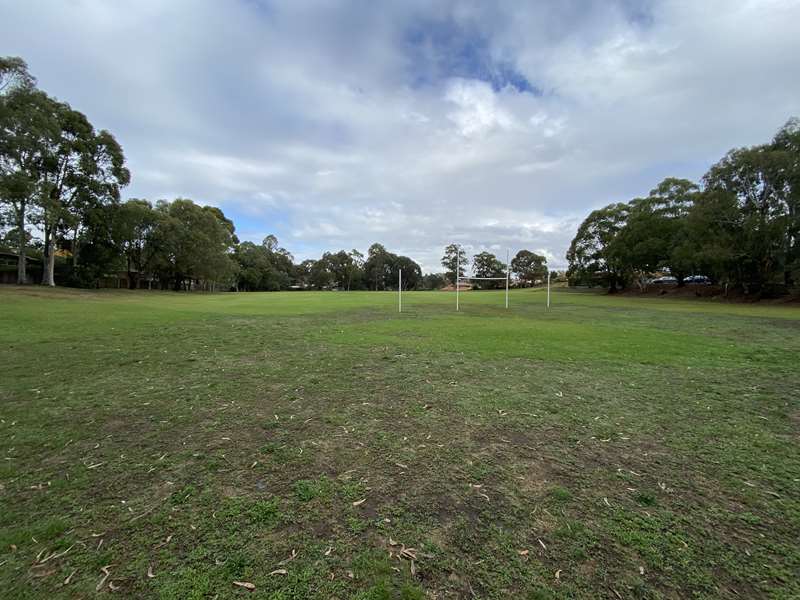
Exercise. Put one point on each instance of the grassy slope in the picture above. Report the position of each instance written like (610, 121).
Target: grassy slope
(634, 448)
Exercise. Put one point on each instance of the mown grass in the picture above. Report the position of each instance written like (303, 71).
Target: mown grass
(609, 448)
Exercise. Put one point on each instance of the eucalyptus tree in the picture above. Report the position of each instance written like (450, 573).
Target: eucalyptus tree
(14, 74)
(754, 179)
(590, 254)
(134, 225)
(21, 126)
(454, 257)
(486, 264)
(80, 169)
(194, 244)
(26, 123)
(529, 267)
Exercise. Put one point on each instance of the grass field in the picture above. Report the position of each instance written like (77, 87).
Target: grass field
(319, 445)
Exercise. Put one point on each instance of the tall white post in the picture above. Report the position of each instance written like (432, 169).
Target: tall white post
(457, 276)
(507, 276)
(400, 290)
(548, 289)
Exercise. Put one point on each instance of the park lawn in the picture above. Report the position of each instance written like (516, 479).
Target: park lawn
(320, 445)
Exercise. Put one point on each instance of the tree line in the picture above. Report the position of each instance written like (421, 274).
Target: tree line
(528, 268)
(60, 179)
(738, 226)
(60, 186)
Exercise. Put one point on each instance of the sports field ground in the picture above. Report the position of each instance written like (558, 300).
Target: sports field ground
(321, 445)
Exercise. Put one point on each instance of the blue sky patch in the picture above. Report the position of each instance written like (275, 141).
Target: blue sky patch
(440, 50)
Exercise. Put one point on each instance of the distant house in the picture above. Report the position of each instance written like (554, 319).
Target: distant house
(8, 268)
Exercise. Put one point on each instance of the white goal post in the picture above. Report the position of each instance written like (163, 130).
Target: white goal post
(459, 278)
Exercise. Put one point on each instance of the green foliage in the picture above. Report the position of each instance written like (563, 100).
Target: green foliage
(560, 494)
(454, 256)
(529, 267)
(308, 489)
(486, 264)
(742, 228)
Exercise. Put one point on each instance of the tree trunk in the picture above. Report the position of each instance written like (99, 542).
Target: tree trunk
(22, 276)
(75, 248)
(49, 257)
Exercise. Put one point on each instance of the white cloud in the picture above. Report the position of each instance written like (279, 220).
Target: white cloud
(337, 124)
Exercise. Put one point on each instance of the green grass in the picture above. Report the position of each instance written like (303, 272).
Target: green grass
(613, 447)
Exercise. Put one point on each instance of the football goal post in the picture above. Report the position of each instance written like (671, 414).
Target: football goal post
(460, 278)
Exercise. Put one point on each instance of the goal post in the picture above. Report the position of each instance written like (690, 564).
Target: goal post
(460, 278)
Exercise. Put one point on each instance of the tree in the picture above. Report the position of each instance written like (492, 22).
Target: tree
(412, 272)
(786, 146)
(26, 124)
(454, 255)
(529, 267)
(671, 201)
(433, 281)
(377, 267)
(588, 255)
(714, 230)
(14, 75)
(755, 179)
(485, 264)
(322, 275)
(81, 169)
(136, 220)
(303, 272)
(192, 243)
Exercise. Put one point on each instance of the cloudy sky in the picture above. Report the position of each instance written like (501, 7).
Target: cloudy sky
(335, 124)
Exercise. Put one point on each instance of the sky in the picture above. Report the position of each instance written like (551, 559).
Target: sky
(415, 123)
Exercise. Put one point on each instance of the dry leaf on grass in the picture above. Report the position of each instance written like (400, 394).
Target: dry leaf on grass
(106, 575)
(523, 552)
(69, 577)
(328, 551)
(245, 584)
(150, 573)
(359, 502)
(278, 572)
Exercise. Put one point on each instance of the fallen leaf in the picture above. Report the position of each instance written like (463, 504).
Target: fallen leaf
(359, 502)
(245, 584)
(328, 551)
(106, 574)
(522, 552)
(69, 577)
(150, 573)
(278, 572)
(558, 575)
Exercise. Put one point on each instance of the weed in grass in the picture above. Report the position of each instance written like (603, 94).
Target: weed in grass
(307, 489)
